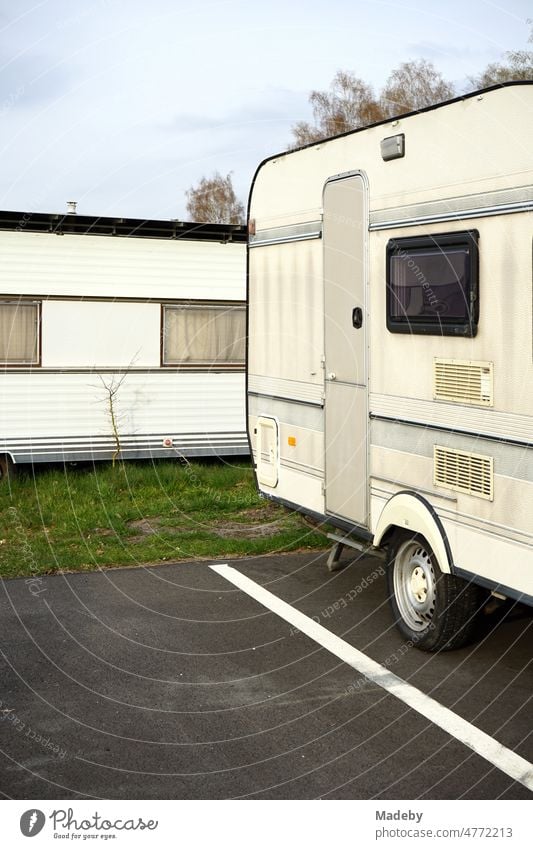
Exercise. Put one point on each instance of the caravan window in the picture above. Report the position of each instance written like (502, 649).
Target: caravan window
(203, 335)
(19, 333)
(432, 284)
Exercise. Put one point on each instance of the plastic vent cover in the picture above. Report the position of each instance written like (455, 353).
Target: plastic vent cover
(464, 472)
(463, 381)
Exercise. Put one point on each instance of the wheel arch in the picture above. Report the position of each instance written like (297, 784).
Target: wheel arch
(411, 512)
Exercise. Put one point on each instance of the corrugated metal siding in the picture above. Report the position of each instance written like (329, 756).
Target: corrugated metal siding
(42, 405)
(104, 266)
(286, 325)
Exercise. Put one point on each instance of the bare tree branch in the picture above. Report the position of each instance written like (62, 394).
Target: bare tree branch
(517, 65)
(350, 103)
(414, 85)
(213, 200)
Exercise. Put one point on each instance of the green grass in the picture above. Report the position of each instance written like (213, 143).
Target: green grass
(71, 519)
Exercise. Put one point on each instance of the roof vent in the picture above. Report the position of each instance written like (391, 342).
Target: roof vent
(71, 207)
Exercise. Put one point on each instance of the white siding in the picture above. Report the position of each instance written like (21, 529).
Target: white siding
(52, 413)
(113, 266)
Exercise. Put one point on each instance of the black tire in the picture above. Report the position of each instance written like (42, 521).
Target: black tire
(7, 469)
(435, 611)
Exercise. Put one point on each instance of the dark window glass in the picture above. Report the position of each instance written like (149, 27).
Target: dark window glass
(432, 284)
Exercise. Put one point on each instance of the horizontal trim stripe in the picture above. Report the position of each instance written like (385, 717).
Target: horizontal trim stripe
(447, 429)
(286, 389)
(13, 370)
(103, 439)
(103, 448)
(289, 233)
(307, 469)
(123, 299)
(317, 404)
(468, 418)
(499, 202)
(295, 414)
(136, 454)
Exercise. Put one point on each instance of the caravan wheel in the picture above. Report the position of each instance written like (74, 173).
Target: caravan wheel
(435, 611)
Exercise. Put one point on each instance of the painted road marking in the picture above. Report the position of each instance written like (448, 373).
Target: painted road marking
(482, 744)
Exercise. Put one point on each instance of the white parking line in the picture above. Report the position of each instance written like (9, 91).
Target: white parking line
(482, 744)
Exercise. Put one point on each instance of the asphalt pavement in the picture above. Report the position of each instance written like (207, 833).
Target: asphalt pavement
(169, 682)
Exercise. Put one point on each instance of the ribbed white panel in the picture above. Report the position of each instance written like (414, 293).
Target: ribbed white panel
(463, 381)
(292, 390)
(463, 471)
(107, 266)
(477, 421)
(42, 405)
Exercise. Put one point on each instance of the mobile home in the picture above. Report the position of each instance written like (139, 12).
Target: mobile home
(390, 370)
(120, 337)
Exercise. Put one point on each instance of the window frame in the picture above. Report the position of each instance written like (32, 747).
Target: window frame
(439, 326)
(197, 365)
(10, 301)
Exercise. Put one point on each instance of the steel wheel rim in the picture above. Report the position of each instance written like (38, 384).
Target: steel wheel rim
(415, 585)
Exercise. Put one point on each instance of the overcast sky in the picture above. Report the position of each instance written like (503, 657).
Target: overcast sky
(124, 104)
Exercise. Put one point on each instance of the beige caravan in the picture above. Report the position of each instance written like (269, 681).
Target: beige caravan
(390, 362)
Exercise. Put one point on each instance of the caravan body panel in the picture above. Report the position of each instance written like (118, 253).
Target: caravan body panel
(101, 305)
(450, 415)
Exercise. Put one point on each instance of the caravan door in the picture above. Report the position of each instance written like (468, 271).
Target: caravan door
(346, 403)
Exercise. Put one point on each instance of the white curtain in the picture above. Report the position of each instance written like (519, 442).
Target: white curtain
(19, 333)
(400, 290)
(204, 335)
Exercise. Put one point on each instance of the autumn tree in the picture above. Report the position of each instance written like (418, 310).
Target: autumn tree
(213, 200)
(516, 65)
(350, 103)
(414, 85)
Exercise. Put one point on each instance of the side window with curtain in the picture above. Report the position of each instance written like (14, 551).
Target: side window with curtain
(19, 333)
(203, 335)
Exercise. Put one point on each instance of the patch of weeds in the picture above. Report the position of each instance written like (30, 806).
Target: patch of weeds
(93, 516)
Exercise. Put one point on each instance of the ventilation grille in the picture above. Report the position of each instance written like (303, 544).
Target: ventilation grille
(464, 472)
(463, 381)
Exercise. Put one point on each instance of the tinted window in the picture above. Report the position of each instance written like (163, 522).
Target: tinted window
(432, 284)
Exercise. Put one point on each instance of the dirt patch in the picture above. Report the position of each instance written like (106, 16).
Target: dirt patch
(243, 531)
(265, 513)
(103, 532)
(251, 523)
(144, 527)
(149, 527)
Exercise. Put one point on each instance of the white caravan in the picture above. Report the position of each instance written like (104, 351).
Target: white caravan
(120, 337)
(390, 371)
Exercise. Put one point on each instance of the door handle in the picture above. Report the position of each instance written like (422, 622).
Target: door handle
(357, 317)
